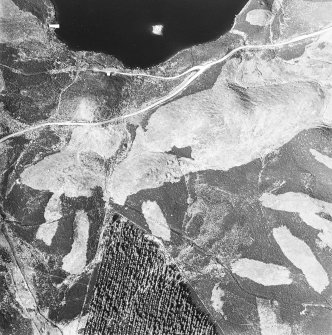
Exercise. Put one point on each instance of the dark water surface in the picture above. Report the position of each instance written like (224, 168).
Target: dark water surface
(123, 28)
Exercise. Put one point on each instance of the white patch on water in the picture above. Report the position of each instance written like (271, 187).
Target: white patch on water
(259, 17)
(157, 29)
(75, 261)
(217, 298)
(155, 219)
(269, 321)
(326, 160)
(266, 274)
(299, 253)
(306, 207)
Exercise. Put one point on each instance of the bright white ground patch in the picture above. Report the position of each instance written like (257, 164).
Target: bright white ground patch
(72, 327)
(299, 253)
(75, 261)
(217, 300)
(157, 29)
(103, 141)
(155, 219)
(53, 209)
(52, 213)
(268, 319)
(266, 274)
(221, 130)
(85, 110)
(326, 160)
(306, 207)
(46, 232)
(65, 171)
(259, 17)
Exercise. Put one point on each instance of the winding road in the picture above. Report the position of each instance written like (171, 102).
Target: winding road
(192, 73)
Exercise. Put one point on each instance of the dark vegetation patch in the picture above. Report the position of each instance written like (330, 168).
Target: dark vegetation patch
(30, 99)
(181, 152)
(96, 213)
(11, 321)
(137, 292)
(73, 298)
(318, 322)
(45, 145)
(47, 292)
(7, 55)
(25, 233)
(27, 205)
(4, 256)
(94, 206)
(109, 92)
(64, 236)
(38, 8)
(291, 52)
(13, 152)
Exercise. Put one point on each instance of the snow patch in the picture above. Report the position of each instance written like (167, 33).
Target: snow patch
(52, 214)
(46, 232)
(155, 219)
(61, 173)
(299, 253)
(269, 321)
(306, 207)
(266, 274)
(142, 170)
(157, 29)
(103, 141)
(216, 299)
(259, 17)
(85, 110)
(326, 160)
(75, 261)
